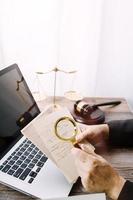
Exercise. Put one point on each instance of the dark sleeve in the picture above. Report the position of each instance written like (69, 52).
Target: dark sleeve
(126, 192)
(121, 132)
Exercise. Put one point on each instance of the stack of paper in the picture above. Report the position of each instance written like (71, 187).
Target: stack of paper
(41, 132)
(100, 196)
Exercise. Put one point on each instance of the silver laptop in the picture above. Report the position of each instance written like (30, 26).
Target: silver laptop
(22, 166)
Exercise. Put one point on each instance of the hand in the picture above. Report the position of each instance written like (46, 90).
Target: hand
(97, 175)
(94, 134)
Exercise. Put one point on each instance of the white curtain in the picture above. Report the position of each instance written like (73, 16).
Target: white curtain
(95, 37)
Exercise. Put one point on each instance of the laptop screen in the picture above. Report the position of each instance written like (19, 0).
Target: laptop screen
(17, 107)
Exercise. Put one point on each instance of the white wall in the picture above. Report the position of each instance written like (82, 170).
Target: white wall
(93, 36)
(29, 31)
(115, 66)
(42, 34)
(79, 40)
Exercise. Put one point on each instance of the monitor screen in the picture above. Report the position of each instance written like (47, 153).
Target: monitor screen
(17, 107)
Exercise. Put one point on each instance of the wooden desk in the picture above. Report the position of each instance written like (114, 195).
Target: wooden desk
(121, 159)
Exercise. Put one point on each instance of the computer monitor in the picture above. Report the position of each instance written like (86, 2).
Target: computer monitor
(17, 107)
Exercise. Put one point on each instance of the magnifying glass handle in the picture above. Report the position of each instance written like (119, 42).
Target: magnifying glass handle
(74, 142)
(76, 145)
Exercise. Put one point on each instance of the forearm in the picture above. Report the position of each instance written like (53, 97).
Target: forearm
(121, 132)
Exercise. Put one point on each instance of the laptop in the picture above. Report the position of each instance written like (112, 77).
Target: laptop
(23, 166)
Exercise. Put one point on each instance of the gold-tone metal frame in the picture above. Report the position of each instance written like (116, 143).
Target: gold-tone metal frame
(70, 139)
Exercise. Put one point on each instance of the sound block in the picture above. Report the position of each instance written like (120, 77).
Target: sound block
(97, 116)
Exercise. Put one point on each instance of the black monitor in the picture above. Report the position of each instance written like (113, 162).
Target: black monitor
(17, 107)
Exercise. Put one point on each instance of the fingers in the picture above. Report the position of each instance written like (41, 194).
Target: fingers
(85, 164)
(79, 154)
(83, 161)
(95, 172)
(85, 134)
(87, 147)
(90, 149)
(83, 156)
(86, 156)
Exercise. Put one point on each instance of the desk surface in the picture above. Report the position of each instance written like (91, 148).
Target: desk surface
(121, 159)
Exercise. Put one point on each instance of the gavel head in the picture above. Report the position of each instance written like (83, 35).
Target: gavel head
(87, 114)
(83, 109)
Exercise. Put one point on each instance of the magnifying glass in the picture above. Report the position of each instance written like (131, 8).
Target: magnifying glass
(66, 129)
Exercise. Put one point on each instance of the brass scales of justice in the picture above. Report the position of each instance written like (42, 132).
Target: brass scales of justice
(71, 95)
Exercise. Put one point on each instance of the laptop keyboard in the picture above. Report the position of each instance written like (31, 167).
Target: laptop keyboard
(26, 161)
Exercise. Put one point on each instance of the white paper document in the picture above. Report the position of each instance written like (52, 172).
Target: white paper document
(100, 196)
(42, 133)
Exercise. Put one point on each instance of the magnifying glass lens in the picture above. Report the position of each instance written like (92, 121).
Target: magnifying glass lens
(65, 129)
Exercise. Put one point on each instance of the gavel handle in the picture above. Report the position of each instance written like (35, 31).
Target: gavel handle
(115, 103)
